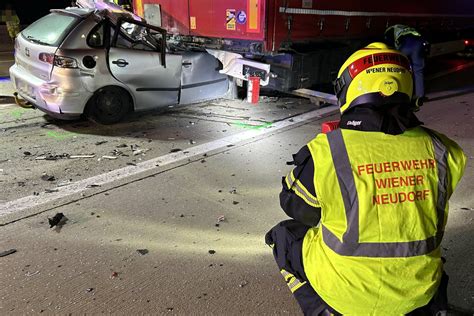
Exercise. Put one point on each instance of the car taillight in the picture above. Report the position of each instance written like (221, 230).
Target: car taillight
(47, 58)
(65, 62)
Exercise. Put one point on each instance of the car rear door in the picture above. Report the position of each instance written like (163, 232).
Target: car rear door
(137, 58)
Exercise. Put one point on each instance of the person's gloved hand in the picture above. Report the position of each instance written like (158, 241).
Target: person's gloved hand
(426, 48)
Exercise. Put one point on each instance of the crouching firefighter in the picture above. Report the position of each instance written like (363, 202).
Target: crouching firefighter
(369, 200)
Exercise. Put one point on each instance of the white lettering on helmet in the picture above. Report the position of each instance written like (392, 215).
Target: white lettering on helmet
(354, 123)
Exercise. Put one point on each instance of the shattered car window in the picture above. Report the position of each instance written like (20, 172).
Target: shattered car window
(134, 36)
(96, 36)
(50, 30)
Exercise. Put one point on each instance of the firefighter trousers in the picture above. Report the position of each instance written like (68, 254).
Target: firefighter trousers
(286, 240)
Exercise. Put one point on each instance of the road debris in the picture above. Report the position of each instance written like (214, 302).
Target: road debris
(138, 152)
(46, 177)
(110, 157)
(142, 251)
(192, 142)
(118, 153)
(268, 99)
(122, 146)
(233, 190)
(63, 156)
(90, 186)
(243, 283)
(235, 202)
(467, 208)
(89, 290)
(201, 296)
(27, 153)
(220, 219)
(169, 309)
(51, 190)
(7, 252)
(53, 157)
(64, 183)
(212, 251)
(82, 156)
(175, 150)
(101, 142)
(56, 220)
(114, 275)
(28, 274)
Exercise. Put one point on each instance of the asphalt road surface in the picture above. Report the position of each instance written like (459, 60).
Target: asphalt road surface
(166, 212)
(6, 61)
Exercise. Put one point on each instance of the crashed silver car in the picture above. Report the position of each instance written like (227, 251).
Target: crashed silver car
(104, 63)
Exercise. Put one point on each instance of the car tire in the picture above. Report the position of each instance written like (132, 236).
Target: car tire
(109, 105)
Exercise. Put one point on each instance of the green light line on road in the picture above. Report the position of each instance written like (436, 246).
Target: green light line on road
(17, 113)
(60, 135)
(252, 126)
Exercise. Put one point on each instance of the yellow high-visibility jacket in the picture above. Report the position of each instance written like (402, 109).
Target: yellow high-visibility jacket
(400, 30)
(384, 202)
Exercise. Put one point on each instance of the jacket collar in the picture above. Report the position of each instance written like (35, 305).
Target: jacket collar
(394, 119)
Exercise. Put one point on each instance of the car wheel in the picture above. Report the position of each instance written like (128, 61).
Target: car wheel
(109, 105)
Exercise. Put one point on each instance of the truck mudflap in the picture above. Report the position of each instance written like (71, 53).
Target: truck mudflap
(235, 65)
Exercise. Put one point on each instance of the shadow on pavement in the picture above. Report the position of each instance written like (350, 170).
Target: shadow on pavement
(6, 99)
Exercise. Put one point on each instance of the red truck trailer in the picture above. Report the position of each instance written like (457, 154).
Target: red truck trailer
(303, 41)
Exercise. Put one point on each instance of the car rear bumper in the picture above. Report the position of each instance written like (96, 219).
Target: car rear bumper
(49, 96)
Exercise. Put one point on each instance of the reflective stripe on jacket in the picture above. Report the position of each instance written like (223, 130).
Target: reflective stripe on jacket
(9, 15)
(298, 196)
(384, 202)
(399, 31)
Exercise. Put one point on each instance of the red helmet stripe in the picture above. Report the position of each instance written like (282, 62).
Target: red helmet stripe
(368, 61)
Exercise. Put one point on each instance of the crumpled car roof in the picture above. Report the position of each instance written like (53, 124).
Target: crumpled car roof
(112, 10)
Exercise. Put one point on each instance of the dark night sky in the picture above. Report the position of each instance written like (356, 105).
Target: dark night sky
(30, 10)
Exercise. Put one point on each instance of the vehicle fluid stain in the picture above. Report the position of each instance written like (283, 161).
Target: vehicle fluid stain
(60, 135)
(252, 126)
